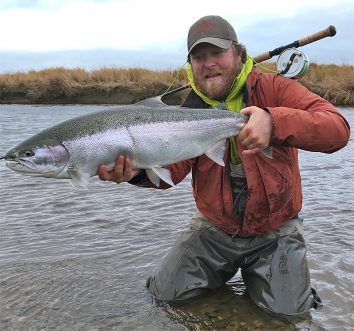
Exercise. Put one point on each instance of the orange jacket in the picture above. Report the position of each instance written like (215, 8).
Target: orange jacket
(300, 119)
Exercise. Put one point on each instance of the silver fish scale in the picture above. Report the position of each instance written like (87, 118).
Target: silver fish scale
(125, 116)
(150, 137)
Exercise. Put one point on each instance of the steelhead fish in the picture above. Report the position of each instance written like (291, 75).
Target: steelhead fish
(152, 136)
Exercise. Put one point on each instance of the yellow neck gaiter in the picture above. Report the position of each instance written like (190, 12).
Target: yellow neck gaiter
(234, 100)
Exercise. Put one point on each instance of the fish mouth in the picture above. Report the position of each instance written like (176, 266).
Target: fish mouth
(2, 161)
(19, 164)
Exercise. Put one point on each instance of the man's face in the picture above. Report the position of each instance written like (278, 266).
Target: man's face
(214, 69)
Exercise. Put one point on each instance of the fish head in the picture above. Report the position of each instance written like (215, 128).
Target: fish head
(46, 160)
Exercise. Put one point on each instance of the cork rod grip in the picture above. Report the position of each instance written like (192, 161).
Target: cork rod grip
(262, 57)
(328, 32)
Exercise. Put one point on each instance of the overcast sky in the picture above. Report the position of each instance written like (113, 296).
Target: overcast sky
(90, 34)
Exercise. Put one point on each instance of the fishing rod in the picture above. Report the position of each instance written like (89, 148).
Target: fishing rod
(328, 32)
(181, 88)
(289, 56)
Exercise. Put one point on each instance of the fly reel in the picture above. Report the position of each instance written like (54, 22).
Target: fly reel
(292, 63)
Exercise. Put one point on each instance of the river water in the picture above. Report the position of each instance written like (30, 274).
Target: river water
(75, 259)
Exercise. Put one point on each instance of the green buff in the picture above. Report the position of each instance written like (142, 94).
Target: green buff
(234, 100)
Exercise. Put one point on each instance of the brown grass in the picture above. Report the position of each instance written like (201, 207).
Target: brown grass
(118, 85)
(107, 85)
(332, 82)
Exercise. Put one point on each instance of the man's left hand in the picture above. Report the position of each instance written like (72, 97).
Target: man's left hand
(255, 135)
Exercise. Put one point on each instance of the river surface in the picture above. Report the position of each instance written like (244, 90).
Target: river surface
(76, 259)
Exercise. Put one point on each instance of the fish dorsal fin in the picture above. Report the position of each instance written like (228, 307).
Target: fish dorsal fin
(156, 173)
(152, 102)
(217, 152)
(78, 179)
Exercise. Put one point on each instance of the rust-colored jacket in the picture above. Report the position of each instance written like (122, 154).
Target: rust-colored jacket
(300, 119)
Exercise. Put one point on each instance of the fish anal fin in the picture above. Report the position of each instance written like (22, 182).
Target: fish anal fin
(217, 152)
(153, 177)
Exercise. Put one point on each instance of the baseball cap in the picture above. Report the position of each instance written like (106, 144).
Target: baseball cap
(213, 30)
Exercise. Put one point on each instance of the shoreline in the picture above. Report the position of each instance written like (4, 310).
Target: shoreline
(127, 86)
(94, 97)
(118, 98)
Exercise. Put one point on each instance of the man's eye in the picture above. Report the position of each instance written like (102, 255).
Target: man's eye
(219, 52)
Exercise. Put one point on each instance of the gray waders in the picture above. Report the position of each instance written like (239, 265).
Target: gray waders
(273, 267)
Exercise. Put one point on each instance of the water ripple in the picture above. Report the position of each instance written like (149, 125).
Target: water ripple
(73, 259)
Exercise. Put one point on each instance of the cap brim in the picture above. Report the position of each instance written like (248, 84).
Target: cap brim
(222, 43)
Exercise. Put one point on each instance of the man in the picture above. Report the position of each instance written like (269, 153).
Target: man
(247, 211)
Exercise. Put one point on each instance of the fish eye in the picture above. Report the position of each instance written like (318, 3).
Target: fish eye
(28, 153)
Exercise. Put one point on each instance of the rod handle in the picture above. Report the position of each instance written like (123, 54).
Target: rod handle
(262, 57)
(328, 32)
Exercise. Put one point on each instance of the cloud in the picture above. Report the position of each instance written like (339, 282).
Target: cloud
(268, 34)
(152, 34)
(126, 24)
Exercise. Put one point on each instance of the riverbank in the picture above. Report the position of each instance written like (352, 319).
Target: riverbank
(124, 86)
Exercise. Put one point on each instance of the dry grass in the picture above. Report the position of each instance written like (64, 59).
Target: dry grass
(332, 82)
(107, 85)
(118, 85)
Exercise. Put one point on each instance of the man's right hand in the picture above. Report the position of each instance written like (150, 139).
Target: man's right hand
(122, 171)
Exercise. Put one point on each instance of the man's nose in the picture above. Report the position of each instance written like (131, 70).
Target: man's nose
(209, 61)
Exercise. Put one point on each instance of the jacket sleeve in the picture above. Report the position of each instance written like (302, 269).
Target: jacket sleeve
(304, 120)
(178, 172)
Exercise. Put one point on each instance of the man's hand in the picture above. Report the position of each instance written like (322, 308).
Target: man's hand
(122, 171)
(255, 135)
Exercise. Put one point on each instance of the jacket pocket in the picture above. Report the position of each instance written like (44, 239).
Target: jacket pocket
(276, 178)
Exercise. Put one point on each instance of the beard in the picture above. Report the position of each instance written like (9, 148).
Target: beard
(219, 87)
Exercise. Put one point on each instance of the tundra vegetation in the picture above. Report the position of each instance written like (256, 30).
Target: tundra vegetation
(128, 85)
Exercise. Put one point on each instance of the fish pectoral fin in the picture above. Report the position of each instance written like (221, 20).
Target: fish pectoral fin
(79, 179)
(217, 152)
(156, 173)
